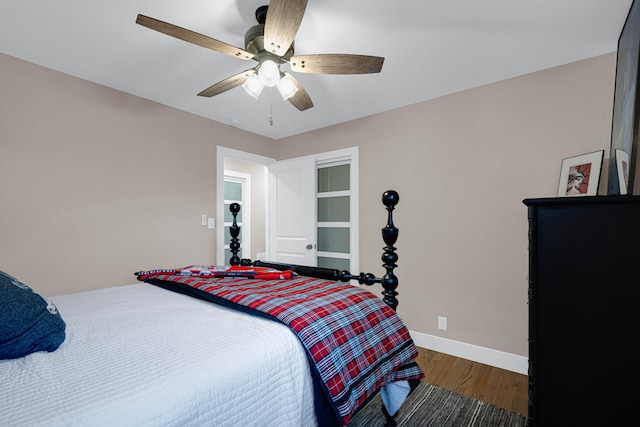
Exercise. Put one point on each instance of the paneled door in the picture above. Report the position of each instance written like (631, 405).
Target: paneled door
(292, 202)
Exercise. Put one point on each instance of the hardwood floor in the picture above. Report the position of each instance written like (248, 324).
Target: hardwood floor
(499, 387)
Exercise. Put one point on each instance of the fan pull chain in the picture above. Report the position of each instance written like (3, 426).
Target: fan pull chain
(271, 106)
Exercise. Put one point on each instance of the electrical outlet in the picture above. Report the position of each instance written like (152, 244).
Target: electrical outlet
(442, 323)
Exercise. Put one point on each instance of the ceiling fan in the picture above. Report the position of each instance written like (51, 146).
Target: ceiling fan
(271, 44)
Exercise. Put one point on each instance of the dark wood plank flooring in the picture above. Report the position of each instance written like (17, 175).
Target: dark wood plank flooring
(499, 387)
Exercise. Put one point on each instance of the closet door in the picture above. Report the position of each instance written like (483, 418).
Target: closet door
(334, 216)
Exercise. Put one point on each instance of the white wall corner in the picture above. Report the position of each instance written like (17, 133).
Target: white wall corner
(487, 356)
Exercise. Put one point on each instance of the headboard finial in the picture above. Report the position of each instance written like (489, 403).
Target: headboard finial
(390, 198)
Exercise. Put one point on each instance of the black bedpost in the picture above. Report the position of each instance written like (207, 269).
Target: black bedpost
(390, 234)
(235, 231)
(390, 420)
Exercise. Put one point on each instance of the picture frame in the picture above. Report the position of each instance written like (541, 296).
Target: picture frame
(622, 166)
(626, 112)
(580, 175)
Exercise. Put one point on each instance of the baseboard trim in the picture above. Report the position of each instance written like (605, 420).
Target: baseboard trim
(488, 356)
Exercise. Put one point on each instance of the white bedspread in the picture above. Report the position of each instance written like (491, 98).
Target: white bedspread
(139, 355)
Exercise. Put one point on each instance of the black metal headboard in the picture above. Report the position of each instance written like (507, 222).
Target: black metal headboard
(389, 280)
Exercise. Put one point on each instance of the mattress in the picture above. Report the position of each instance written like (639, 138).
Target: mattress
(139, 355)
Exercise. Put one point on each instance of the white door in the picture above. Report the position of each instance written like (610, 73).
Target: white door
(292, 203)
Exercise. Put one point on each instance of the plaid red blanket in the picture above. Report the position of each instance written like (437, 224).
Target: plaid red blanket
(356, 342)
(209, 271)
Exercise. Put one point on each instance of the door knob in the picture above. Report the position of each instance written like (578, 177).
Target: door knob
(309, 246)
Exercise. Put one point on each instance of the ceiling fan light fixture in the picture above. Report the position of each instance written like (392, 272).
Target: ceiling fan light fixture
(286, 87)
(271, 43)
(269, 73)
(253, 86)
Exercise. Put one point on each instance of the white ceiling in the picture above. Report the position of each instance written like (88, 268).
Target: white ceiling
(431, 48)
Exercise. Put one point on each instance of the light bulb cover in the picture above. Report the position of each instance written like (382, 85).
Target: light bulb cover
(287, 87)
(269, 73)
(253, 86)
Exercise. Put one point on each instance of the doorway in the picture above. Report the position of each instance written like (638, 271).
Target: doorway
(240, 163)
(331, 212)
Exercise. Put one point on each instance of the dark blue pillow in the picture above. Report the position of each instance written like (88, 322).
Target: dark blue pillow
(28, 322)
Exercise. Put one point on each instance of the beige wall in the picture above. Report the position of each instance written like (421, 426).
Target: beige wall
(96, 184)
(462, 165)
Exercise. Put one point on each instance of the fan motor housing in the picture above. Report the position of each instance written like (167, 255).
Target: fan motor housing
(254, 43)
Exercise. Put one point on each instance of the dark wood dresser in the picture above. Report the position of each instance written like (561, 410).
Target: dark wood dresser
(584, 288)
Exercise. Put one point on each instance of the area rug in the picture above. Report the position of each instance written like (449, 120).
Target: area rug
(430, 405)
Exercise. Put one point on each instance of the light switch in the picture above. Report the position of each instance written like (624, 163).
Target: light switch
(203, 220)
(211, 223)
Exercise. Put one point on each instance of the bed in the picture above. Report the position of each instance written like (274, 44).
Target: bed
(198, 345)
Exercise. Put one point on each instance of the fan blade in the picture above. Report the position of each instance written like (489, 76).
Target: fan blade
(336, 64)
(228, 83)
(193, 37)
(300, 99)
(282, 23)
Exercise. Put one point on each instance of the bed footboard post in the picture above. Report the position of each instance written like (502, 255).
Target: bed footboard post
(235, 232)
(389, 257)
(234, 245)
(390, 420)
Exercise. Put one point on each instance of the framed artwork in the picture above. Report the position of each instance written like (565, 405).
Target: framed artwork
(580, 175)
(622, 165)
(626, 111)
